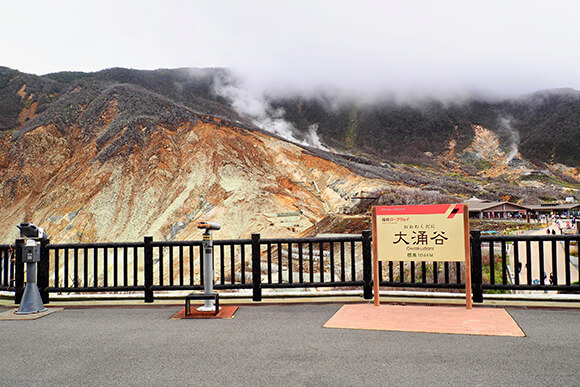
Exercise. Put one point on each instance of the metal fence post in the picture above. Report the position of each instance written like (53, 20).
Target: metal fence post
(476, 267)
(367, 265)
(148, 269)
(43, 271)
(256, 269)
(18, 271)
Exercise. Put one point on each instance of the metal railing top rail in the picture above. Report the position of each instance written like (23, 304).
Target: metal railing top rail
(96, 245)
(329, 239)
(159, 243)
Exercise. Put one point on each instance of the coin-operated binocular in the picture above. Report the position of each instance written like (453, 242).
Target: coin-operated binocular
(31, 300)
(208, 265)
(31, 231)
(209, 226)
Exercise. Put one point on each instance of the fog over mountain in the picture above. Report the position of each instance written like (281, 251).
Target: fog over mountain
(433, 48)
(90, 156)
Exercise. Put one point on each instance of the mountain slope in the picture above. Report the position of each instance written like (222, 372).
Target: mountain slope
(544, 127)
(132, 163)
(119, 154)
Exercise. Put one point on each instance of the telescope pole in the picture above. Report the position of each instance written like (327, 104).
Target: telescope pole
(207, 271)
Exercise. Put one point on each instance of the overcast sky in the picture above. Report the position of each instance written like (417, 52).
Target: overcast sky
(399, 46)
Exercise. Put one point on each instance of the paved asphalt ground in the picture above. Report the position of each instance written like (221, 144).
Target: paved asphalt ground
(271, 345)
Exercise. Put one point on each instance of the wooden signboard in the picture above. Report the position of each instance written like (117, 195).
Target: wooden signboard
(438, 232)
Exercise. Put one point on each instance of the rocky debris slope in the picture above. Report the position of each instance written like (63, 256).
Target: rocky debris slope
(119, 154)
(113, 171)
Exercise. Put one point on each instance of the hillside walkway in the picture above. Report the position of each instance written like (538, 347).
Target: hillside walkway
(277, 344)
(535, 256)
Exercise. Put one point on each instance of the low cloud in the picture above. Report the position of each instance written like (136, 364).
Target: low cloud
(408, 49)
(252, 104)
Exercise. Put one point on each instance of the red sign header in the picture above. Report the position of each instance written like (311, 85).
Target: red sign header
(423, 209)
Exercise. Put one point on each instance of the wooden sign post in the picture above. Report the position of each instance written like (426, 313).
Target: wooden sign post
(435, 233)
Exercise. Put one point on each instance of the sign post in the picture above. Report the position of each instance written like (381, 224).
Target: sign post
(436, 233)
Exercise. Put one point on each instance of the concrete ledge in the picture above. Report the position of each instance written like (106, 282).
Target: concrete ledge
(314, 296)
(11, 314)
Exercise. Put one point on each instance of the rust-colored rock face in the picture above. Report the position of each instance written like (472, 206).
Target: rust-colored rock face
(161, 185)
(121, 154)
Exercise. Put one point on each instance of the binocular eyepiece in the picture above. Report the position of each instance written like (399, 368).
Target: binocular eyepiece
(29, 230)
(209, 225)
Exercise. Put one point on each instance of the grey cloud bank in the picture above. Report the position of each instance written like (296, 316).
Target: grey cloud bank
(367, 47)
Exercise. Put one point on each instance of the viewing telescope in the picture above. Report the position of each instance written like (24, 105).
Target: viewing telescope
(208, 275)
(209, 225)
(31, 231)
(31, 301)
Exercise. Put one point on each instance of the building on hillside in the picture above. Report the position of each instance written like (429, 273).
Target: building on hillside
(487, 209)
(566, 210)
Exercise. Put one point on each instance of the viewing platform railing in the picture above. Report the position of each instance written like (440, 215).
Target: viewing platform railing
(518, 264)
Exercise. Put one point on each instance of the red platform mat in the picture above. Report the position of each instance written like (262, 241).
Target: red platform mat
(226, 312)
(427, 319)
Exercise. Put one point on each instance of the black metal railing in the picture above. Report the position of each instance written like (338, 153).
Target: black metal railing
(91, 267)
(7, 268)
(274, 263)
(342, 261)
(522, 263)
(437, 275)
(179, 265)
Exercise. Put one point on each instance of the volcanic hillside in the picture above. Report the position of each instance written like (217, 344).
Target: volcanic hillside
(544, 126)
(119, 154)
(131, 163)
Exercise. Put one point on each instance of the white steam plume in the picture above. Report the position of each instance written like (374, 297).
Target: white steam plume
(312, 137)
(262, 114)
(513, 137)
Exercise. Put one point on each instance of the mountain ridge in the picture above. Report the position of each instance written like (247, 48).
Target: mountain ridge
(122, 153)
(416, 127)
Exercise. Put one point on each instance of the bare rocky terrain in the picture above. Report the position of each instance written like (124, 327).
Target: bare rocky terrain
(119, 154)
